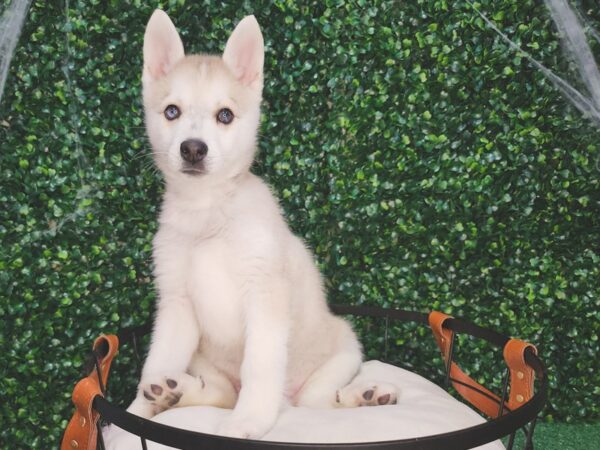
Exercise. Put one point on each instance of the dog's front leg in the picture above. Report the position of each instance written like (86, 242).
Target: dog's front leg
(174, 339)
(263, 371)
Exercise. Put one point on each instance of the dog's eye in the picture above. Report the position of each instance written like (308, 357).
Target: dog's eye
(172, 112)
(225, 116)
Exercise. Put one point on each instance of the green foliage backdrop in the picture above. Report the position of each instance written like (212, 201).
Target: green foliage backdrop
(426, 164)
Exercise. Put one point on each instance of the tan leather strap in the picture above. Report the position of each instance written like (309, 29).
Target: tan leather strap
(521, 375)
(483, 399)
(81, 432)
(106, 346)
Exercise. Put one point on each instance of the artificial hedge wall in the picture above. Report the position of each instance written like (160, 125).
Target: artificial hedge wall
(426, 164)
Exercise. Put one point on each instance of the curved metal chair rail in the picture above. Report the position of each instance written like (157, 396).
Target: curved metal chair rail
(507, 422)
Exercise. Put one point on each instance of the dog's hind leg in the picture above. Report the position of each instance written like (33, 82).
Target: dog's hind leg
(333, 385)
(219, 390)
(320, 389)
(338, 382)
(204, 385)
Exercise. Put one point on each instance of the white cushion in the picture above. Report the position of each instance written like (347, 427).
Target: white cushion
(423, 409)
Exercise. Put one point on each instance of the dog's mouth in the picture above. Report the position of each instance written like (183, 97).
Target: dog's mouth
(195, 170)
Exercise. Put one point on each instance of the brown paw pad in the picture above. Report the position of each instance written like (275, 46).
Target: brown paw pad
(368, 395)
(174, 398)
(384, 399)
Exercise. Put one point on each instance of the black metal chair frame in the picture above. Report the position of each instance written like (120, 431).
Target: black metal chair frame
(507, 423)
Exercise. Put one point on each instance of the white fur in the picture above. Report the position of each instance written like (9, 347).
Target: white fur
(240, 300)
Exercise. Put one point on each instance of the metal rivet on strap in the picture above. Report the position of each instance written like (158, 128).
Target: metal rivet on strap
(520, 398)
(74, 444)
(520, 375)
(82, 421)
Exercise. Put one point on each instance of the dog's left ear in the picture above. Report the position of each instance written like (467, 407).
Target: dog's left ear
(245, 54)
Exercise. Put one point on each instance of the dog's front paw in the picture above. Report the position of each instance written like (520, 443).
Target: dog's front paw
(243, 427)
(142, 407)
(166, 392)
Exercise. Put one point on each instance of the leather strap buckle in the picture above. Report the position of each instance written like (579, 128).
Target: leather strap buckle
(81, 432)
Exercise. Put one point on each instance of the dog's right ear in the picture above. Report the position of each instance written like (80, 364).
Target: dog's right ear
(162, 46)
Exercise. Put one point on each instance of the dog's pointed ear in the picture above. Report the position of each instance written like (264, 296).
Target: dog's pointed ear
(162, 46)
(245, 54)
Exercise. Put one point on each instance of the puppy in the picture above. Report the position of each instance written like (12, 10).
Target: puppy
(242, 320)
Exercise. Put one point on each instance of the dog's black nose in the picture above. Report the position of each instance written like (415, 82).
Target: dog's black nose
(193, 150)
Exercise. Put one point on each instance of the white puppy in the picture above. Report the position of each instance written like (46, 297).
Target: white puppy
(242, 320)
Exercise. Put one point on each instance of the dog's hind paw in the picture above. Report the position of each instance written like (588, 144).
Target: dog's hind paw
(367, 393)
(165, 392)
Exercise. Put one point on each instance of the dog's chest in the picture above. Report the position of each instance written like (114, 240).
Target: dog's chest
(215, 292)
